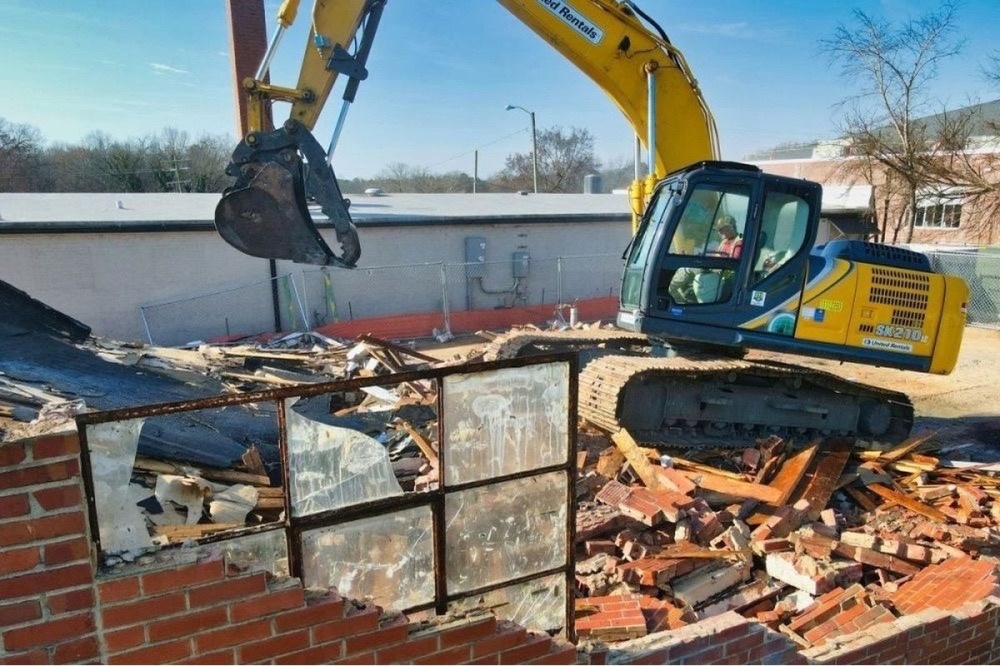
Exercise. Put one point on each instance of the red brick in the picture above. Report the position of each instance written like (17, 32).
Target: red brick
(119, 589)
(32, 657)
(11, 453)
(406, 651)
(456, 655)
(321, 610)
(60, 497)
(15, 561)
(172, 579)
(24, 477)
(13, 506)
(73, 600)
(355, 624)
(125, 639)
(318, 655)
(376, 639)
(187, 624)
(565, 654)
(46, 527)
(78, 651)
(220, 657)
(144, 610)
(272, 647)
(489, 660)
(364, 658)
(45, 581)
(67, 551)
(233, 588)
(24, 611)
(55, 446)
(161, 653)
(469, 633)
(48, 633)
(534, 646)
(230, 636)
(740, 646)
(268, 604)
(507, 636)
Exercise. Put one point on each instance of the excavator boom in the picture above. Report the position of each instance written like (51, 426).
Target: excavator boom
(266, 214)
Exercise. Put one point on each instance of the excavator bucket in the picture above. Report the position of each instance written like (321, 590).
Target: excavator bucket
(266, 214)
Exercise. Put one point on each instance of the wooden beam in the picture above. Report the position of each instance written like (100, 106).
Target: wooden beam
(906, 501)
(728, 486)
(791, 473)
(636, 456)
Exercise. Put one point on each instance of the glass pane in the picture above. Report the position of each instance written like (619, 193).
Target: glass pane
(121, 522)
(506, 530)
(265, 551)
(505, 421)
(538, 604)
(331, 466)
(388, 559)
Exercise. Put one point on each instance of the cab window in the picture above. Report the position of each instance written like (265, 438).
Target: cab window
(711, 224)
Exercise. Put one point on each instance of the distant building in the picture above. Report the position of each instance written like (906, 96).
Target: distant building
(944, 216)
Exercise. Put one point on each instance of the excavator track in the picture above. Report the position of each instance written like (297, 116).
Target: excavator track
(704, 400)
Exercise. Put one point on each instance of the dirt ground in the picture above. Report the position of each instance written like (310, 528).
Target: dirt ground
(962, 408)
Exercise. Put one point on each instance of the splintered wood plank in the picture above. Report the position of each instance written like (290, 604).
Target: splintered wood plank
(824, 475)
(859, 496)
(636, 457)
(732, 487)
(422, 443)
(821, 480)
(910, 503)
(898, 451)
(399, 349)
(788, 477)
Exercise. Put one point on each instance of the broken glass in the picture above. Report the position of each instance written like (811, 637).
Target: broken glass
(264, 551)
(505, 421)
(112, 448)
(538, 604)
(330, 466)
(388, 559)
(505, 530)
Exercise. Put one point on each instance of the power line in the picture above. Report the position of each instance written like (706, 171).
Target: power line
(489, 143)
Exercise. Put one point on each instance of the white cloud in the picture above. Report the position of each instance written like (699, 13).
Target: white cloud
(159, 67)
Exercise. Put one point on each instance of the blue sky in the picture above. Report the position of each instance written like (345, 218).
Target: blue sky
(442, 72)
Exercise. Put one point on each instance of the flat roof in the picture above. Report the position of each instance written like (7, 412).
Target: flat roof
(136, 209)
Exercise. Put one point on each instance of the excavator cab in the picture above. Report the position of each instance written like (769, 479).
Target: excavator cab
(687, 278)
(718, 242)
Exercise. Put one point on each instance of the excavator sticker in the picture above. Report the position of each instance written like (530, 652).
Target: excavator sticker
(574, 19)
(757, 298)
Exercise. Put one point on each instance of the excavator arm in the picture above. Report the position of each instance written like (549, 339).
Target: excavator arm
(265, 213)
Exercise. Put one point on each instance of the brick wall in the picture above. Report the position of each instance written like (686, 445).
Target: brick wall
(176, 609)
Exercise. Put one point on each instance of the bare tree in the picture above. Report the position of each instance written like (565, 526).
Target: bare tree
(564, 158)
(892, 67)
(20, 157)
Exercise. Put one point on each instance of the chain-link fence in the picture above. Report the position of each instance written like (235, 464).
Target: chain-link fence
(322, 296)
(338, 295)
(981, 270)
(244, 310)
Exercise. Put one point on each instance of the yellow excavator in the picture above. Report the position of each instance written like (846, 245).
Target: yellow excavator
(722, 257)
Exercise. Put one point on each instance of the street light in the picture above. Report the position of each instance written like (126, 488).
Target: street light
(534, 143)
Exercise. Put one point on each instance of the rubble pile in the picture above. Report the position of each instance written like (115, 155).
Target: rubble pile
(815, 540)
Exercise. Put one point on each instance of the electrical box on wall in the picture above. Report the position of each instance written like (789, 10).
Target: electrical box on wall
(519, 269)
(475, 256)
